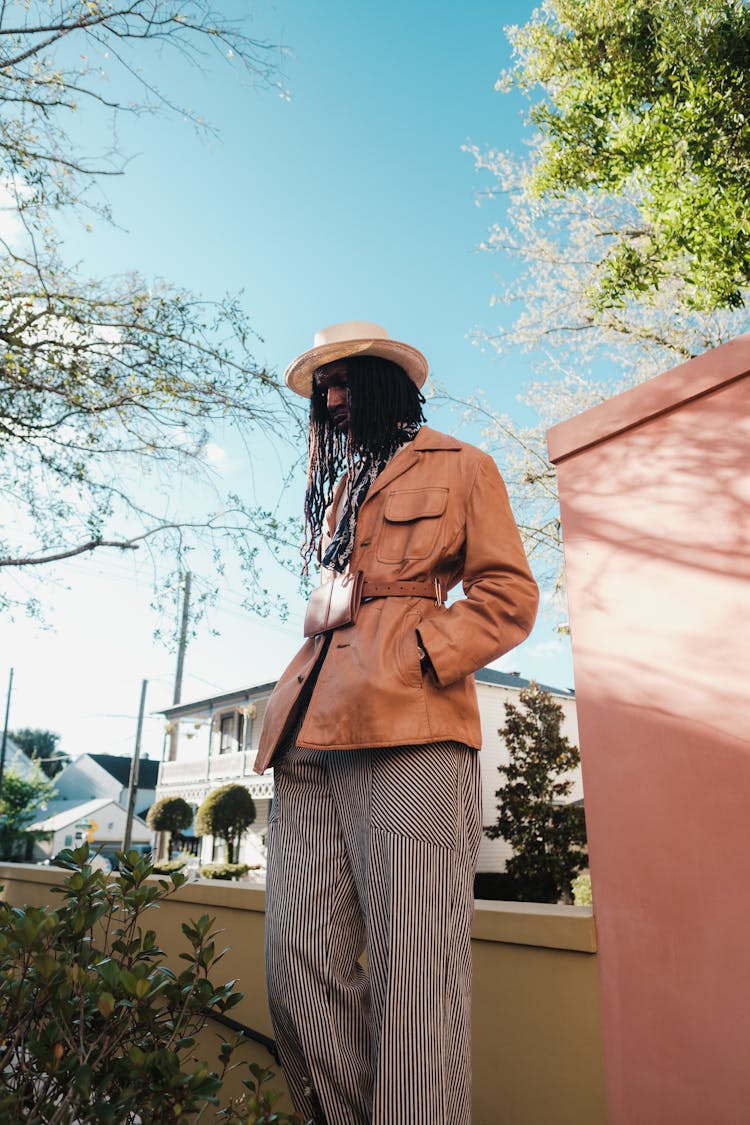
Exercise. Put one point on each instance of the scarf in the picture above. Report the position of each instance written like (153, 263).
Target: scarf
(341, 546)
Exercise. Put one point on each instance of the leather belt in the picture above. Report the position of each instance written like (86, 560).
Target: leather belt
(425, 588)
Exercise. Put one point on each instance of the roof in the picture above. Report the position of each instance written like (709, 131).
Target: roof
(513, 680)
(63, 813)
(118, 765)
(217, 702)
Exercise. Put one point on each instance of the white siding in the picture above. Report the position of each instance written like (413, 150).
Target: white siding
(193, 776)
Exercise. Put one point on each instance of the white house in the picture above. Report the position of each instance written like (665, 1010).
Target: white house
(107, 775)
(101, 822)
(217, 740)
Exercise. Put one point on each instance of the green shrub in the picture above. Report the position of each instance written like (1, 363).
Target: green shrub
(97, 1029)
(20, 803)
(170, 814)
(224, 870)
(168, 866)
(581, 888)
(226, 814)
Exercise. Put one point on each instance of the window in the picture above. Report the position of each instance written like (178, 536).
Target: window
(227, 742)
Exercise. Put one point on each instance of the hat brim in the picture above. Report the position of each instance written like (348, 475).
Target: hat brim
(299, 374)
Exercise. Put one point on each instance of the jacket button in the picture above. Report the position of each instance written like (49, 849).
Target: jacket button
(300, 677)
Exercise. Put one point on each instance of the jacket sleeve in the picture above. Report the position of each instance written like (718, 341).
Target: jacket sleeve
(502, 597)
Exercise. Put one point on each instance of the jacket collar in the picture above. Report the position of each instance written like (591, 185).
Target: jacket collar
(426, 439)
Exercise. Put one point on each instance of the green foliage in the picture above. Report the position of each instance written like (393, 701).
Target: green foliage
(41, 745)
(648, 100)
(226, 814)
(20, 805)
(170, 814)
(257, 1106)
(581, 887)
(548, 837)
(98, 1029)
(585, 227)
(168, 866)
(224, 870)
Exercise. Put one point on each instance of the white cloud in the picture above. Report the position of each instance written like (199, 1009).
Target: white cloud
(217, 456)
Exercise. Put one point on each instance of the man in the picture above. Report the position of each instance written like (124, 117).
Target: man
(373, 731)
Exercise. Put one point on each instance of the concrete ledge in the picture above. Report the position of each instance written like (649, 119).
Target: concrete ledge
(690, 380)
(215, 892)
(513, 923)
(540, 924)
(31, 873)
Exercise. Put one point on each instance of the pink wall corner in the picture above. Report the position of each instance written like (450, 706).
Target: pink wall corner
(655, 501)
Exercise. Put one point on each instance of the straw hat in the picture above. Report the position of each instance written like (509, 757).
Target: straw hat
(352, 338)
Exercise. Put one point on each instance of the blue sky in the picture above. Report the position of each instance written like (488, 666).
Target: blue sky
(351, 200)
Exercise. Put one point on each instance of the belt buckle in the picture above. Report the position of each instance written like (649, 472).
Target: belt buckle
(438, 593)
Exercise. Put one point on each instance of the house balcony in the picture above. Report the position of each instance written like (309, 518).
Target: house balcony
(198, 774)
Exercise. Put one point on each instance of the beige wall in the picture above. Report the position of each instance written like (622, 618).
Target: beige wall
(537, 1052)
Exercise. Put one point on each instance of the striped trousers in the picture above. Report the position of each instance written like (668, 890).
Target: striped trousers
(374, 851)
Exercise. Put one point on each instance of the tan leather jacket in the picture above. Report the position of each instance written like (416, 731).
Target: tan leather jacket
(439, 509)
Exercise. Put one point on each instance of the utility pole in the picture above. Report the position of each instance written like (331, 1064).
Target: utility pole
(133, 786)
(5, 731)
(181, 646)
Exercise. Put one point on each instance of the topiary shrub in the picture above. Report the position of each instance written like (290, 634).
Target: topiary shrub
(226, 814)
(170, 814)
(97, 1030)
(223, 870)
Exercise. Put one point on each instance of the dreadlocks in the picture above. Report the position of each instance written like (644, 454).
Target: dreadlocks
(382, 399)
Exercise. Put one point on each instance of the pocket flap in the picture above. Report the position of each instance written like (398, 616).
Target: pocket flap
(415, 504)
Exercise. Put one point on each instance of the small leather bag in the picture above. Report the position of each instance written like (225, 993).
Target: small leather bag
(334, 604)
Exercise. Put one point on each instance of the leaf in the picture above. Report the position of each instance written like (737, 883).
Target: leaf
(106, 1004)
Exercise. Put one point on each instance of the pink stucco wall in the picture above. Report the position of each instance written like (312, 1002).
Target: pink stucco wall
(655, 499)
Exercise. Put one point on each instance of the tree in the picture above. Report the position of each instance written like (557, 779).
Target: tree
(41, 747)
(548, 837)
(556, 247)
(170, 814)
(20, 802)
(111, 388)
(579, 354)
(226, 814)
(648, 99)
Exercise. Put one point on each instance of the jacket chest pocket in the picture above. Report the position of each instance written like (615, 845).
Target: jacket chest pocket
(411, 524)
